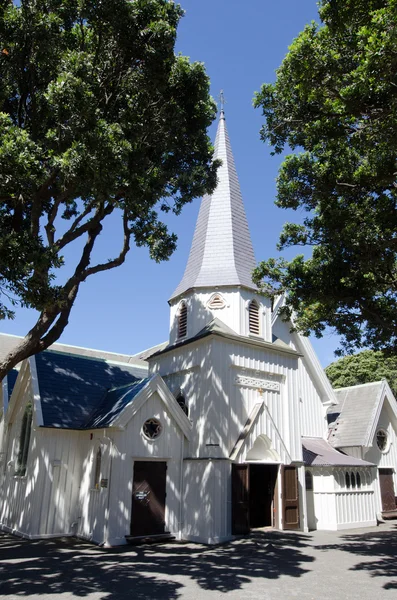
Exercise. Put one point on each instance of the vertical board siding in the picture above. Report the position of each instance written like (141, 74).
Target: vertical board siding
(207, 516)
(106, 513)
(384, 459)
(336, 506)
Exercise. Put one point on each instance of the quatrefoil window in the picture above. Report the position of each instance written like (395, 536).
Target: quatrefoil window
(152, 428)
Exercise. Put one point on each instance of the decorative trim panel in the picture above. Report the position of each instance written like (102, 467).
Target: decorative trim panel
(256, 382)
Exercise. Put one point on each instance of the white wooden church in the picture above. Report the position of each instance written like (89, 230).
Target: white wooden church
(229, 426)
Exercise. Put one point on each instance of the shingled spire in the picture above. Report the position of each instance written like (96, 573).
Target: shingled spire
(221, 252)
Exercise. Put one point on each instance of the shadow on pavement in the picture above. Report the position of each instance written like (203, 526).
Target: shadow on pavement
(42, 567)
(379, 549)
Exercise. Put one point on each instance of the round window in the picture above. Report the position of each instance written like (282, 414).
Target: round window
(382, 440)
(152, 428)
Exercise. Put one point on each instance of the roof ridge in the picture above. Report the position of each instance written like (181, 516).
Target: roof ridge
(349, 387)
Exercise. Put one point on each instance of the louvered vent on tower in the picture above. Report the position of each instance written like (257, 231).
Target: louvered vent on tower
(182, 320)
(253, 318)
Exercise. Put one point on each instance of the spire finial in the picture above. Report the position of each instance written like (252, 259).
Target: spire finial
(222, 103)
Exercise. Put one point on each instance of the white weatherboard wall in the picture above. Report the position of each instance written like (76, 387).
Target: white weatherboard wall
(44, 501)
(207, 514)
(337, 507)
(234, 314)
(219, 406)
(386, 459)
(106, 513)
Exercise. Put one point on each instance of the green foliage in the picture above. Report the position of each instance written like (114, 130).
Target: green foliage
(335, 103)
(97, 116)
(363, 367)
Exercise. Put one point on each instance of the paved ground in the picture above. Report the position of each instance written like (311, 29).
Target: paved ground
(354, 565)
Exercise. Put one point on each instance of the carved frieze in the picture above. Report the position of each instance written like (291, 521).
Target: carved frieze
(258, 383)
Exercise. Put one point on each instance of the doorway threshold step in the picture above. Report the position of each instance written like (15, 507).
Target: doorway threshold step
(389, 514)
(161, 538)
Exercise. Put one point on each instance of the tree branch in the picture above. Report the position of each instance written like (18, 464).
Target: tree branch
(116, 262)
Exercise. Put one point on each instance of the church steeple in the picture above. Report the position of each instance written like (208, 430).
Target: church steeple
(221, 252)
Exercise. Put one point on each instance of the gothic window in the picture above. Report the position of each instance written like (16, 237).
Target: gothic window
(152, 428)
(97, 473)
(347, 480)
(353, 480)
(24, 439)
(182, 320)
(308, 481)
(182, 403)
(253, 317)
(358, 481)
(382, 440)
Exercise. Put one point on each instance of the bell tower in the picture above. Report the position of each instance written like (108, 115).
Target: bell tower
(217, 282)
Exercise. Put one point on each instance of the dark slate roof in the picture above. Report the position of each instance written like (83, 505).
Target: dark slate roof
(319, 453)
(11, 379)
(114, 403)
(72, 387)
(217, 327)
(357, 409)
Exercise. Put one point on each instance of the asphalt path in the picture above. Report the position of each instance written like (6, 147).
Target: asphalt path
(267, 565)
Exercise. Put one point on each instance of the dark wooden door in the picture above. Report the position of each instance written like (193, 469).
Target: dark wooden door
(290, 498)
(387, 490)
(148, 498)
(240, 500)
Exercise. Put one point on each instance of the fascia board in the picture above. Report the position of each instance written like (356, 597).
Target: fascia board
(38, 413)
(155, 384)
(4, 386)
(384, 394)
(316, 369)
(13, 400)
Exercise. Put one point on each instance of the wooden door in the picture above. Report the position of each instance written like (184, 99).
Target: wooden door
(290, 498)
(387, 490)
(148, 498)
(240, 500)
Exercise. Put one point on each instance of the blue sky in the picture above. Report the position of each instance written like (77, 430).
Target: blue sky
(241, 44)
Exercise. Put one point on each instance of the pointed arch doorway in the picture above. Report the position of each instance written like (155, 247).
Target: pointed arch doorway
(254, 488)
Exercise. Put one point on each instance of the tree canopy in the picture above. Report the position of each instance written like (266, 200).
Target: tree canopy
(334, 103)
(97, 116)
(364, 367)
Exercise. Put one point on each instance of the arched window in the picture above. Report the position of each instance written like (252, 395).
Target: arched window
(347, 479)
(358, 480)
(97, 474)
(182, 403)
(253, 317)
(182, 320)
(24, 439)
(353, 480)
(308, 481)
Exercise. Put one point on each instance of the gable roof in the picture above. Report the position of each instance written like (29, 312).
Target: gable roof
(358, 412)
(221, 253)
(219, 328)
(114, 403)
(72, 387)
(318, 452)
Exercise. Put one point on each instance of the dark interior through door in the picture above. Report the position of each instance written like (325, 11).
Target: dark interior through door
(253, 488)
(148, 498)
(262, 484)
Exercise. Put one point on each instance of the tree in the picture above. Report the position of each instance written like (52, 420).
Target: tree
(363, 367)
(335, 103)
(97, 116)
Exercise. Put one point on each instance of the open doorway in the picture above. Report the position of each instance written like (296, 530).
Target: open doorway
(261, 503)
(254, 502)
